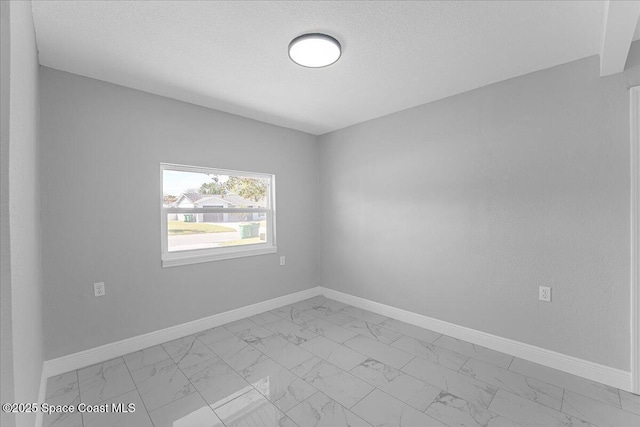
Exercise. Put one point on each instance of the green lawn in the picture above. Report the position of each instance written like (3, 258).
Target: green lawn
(185, 228)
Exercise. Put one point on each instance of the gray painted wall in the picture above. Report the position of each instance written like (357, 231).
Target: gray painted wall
(102, 146)
(459, 209)
(22, 326)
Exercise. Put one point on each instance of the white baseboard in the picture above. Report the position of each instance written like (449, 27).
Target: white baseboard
(109, 351)
(573, 365)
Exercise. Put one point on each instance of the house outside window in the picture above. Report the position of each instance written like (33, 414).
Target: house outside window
(213, 214)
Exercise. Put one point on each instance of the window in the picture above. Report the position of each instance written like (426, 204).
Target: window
(213, 214)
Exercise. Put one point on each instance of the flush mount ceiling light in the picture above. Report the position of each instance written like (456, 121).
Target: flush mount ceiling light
(314, 50)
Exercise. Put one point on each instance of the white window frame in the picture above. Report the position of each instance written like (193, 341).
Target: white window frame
(194, 256)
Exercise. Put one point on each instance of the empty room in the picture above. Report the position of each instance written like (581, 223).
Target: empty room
(320, 213)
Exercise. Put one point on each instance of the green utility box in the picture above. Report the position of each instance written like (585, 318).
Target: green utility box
(245, 231)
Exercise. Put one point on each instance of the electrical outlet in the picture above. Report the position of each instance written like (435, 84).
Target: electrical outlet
(98, 289)
(282, 260)
(545, 293)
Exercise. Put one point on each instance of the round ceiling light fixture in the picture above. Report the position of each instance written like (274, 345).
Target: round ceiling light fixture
(314, 50)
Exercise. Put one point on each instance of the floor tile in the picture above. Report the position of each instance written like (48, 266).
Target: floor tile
(326, 329)
(408, 389)
(161, 383)
(364, 315)
(530, 388)
(330, 316)
(266, 317)
(219, 384)
(475, 392)
(294, 314)
(240, 325)
(282, 351)
(188, 411)
(281, 387)
(227, 347)
(138, 418)
(339, 385)
(379, 351)
(245, 358)
(103, 381)
(146, 357)
(177, 349)
(212, 336)
(253, 334)
(192, 357)
(630, 402)
(380, 409)
(597, 412)
(453, 411)
(321, 411)
(71, 397)
(431, 352)
(476, 351)
(293, 333)
(327, 305)
(531, 414)
(341, 356)
(373, 331)
(592, 389)
(252, 410)
(62, 384)
(411, 330)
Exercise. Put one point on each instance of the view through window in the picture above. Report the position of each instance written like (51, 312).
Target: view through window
(211, 214)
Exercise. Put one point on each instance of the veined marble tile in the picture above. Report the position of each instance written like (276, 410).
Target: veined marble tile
(373, 331)
(295, 312)
(411, 330)
(103, 381)
(329, 305)
(476, 351)
(531, 414)
(293, 333)
(381, 352)
(277, 384)
(396, 383)
(317, 300)
(431, 352)
(161, 383)
(212, 336)
(453, 411)
(335, 317)
(62, 384)
(326, 329)
(601, 392)
(252, 410)
(138, 418)
(240, 325)
(630, 402)
(254, 334)
(474, 391)
(227, 347)
(335, 353)
(597, 412)
(245, 358)
(72, 397)
(146, 357)
(339, 385)
(176, 349)
(364, 315)
(379, 409)
(191, 355)
(538, 391)
(219, 384)
(188, 411)
(263, 318)
(321, 411)
(282, 351)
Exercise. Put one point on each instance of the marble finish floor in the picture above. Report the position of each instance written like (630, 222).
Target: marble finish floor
(323, 363)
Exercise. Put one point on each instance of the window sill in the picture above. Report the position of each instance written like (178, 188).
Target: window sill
(196, 259)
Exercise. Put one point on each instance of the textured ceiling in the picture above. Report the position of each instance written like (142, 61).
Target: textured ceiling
(232, 56)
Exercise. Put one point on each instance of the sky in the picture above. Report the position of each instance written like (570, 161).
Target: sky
(177, 182)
